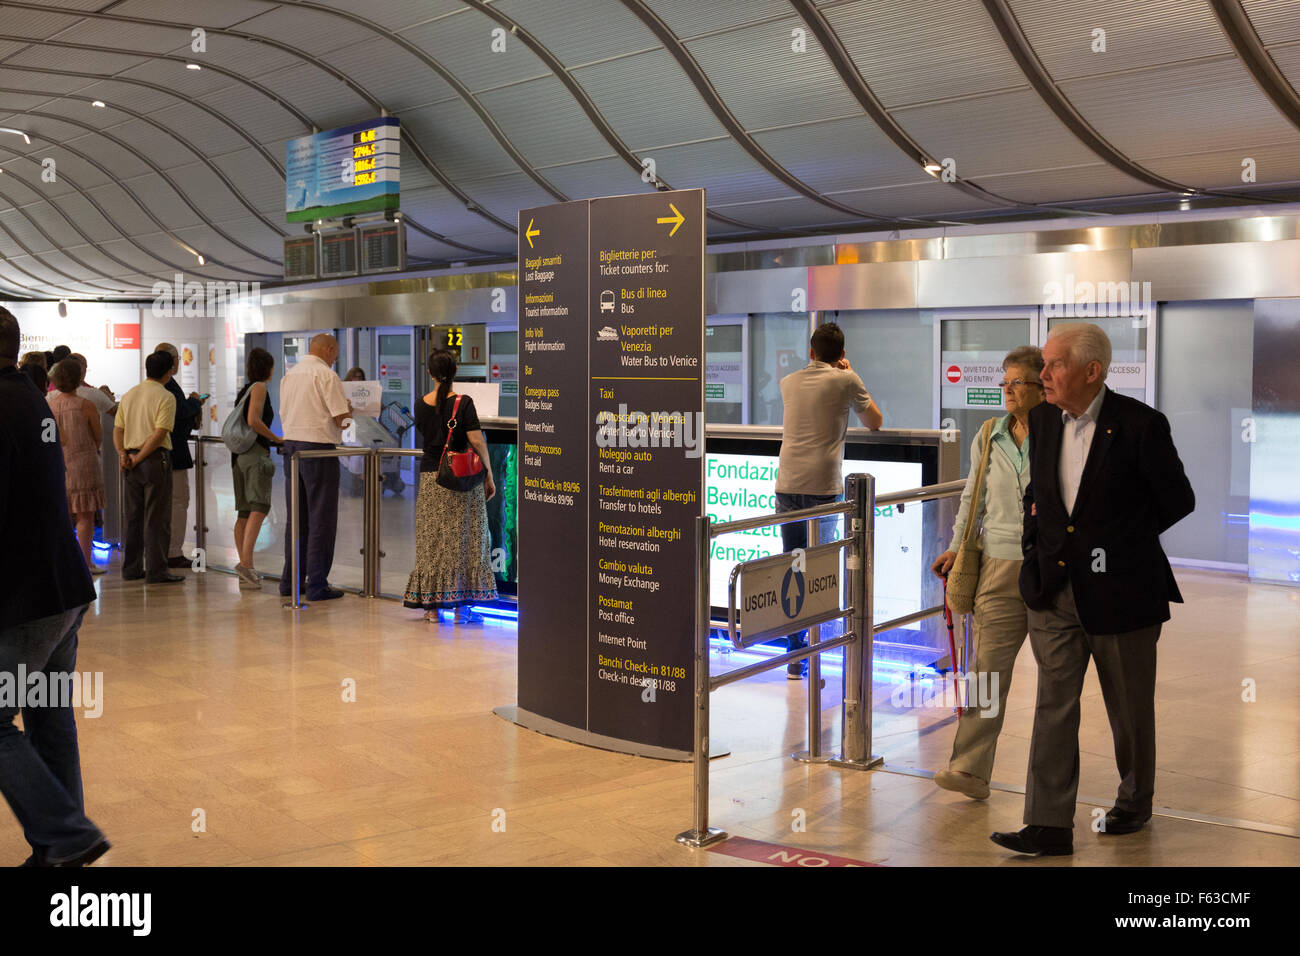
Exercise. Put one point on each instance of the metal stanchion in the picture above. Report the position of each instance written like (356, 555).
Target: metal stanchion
(702, 834)
(371, 492)
(855, 727)
(200, 506)
(295, 600)
(814, 752)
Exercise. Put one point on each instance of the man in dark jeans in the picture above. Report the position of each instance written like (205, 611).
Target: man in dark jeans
(313, 410)
(142, 434)
(189, 409)
(817, 399)
(47, 592)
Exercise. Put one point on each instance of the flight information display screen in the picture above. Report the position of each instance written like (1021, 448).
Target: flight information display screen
(383, 247)
(300, 257)
(338, 253)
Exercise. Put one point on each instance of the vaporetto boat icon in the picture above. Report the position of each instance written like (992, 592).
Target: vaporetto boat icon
(607, 334)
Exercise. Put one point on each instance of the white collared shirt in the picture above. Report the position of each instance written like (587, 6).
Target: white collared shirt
(311, 395)
(1076, 440)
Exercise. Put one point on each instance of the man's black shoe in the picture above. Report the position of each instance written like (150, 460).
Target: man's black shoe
(164, 579)
(179, 562)
(329, 594)
(89, 856)
(1038, 841)
(1119, 822)
(133, 577)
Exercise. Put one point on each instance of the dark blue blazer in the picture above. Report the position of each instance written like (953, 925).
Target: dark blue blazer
(1133, 488)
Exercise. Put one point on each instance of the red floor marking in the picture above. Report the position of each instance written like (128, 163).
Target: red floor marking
(778, 855)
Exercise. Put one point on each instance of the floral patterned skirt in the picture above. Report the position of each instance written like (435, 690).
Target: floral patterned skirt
(453, 565)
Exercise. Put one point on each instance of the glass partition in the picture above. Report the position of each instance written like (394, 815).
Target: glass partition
(219, 503)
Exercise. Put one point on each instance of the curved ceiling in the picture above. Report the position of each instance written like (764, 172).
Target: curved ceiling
(797, 116)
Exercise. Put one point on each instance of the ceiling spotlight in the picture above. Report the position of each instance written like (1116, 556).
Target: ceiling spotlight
(98, 103)
(17, 132)
(192, 66)
(63, 308)
(201, 262)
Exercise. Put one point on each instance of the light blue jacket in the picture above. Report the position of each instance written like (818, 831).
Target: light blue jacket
(1003, 495)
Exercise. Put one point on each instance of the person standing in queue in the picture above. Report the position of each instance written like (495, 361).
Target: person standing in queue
(817, 400)
(313, 410)
(189, 408)
(81, 435)
(142, 434)
(1000, 621)
(453, 565)
(1107, 481)
(47, 592)
(253, 470)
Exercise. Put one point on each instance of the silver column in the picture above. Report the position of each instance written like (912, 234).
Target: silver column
(295, 505)
(370, 525)
(200, 505)
(814, 752)
(855, 729)
(701, 834)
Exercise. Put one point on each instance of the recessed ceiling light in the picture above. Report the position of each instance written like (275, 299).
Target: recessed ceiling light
(98, 103)
(201, 262)
(192, 66)
(932, 167)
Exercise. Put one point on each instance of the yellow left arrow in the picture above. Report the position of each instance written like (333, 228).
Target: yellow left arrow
(676, 219)
(530, 232)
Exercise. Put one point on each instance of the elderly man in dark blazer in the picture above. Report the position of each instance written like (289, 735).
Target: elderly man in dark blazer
(1106, 482)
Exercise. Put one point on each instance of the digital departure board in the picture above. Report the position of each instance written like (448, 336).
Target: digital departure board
(338, 253)
(344, 171)
(383, 247)
(300, 257)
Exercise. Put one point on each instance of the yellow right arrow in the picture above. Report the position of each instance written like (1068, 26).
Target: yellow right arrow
(530, 232)
(676, 219)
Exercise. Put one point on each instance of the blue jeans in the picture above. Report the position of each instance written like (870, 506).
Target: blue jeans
(795, 535)
(318, 517)
(40, 766)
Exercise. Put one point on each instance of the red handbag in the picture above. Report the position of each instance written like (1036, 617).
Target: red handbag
(458, 470)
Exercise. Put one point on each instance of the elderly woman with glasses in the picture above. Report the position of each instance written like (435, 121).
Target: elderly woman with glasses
(1001, 620)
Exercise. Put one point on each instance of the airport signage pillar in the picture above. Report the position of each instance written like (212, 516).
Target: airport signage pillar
(611, 446)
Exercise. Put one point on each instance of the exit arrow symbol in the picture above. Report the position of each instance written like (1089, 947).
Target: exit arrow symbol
(530, 232)
(676, 219)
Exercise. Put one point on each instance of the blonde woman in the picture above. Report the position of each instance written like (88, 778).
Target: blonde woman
(1001, 619)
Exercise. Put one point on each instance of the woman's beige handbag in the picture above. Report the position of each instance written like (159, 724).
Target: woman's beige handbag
(964, 576)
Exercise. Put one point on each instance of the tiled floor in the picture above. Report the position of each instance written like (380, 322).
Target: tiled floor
(222, 709)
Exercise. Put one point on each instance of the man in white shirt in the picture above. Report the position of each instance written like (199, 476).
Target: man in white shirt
(815, 417)
(313, 410)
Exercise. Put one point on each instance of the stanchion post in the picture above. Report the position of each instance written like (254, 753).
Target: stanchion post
(701, 834)
(200, 505)
(814, 752)
(855, 724)
(294, 506)
(369, 521)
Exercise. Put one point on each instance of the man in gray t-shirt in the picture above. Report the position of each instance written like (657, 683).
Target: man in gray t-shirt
(817, 400)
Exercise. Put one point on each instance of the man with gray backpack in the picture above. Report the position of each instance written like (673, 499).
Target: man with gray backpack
(247, 433)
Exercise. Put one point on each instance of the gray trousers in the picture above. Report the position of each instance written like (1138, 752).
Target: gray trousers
(180, 512)
(1126, 669)
(148, 509)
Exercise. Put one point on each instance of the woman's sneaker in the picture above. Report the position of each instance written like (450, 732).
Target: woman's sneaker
(248, 578)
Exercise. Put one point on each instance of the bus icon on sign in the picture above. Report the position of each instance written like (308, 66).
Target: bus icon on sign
(607, 301)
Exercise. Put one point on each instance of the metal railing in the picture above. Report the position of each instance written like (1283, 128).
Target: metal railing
(856, 704)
